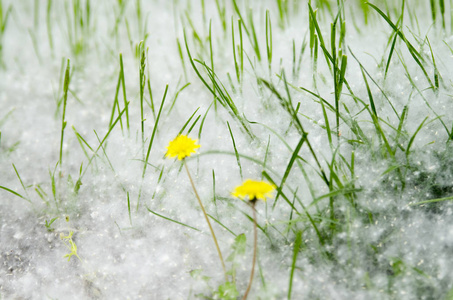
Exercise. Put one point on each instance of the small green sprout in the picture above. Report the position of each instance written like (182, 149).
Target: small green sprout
(227, 291)
(48, 224)
(70, 244)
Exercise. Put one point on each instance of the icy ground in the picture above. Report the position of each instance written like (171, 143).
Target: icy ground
(381, 248)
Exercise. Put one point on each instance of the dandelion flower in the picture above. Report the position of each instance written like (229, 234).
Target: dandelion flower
(254, 190)
(182, 146)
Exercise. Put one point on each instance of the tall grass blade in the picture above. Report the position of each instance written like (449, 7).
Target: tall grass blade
(414, 53)
(14, 193)
(129, 208)
(188, 121)
(123, 85)
(235, 151)
(65, 100)
(154, 133)
(171, 220)
(293, 158)
(296, 249)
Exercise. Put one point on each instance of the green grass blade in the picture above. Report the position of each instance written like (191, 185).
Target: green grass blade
(269, 41)
(176, 96)
(334, 193)
(203, 119)
(326, 121)
(294, 155)
(413, 136)
(327, 55)
(436, 70)
(442, 12)
(154, 132)
(312, 222)
(123, 86)
(221, 10)
(392, 48)
(103, 150)
(181, 57)
(287, 105)
(296, 249)
(375, 83)
(129, 208)
(188, 121)
(370, 95)
(236, 66)
(250, 31)
(221, 224)
(235, 151)
(65, 99)
(433, 10)
(193, 124)
(49, 24)
(115, 102)
(20, 179)
(432, 201)
(191, 60)
(81, 139)
(214, 196)
(241, 48)
(414, 53)
(104, 139)
(211, 53)
(142, 83)
(268, 178)
(14, 193)
(171, 220)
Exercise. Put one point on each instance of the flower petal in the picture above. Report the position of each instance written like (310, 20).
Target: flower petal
(253, 190)
(182, 146)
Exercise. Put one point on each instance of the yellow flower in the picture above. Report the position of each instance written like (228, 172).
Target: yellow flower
(254, 190)
(181, 147)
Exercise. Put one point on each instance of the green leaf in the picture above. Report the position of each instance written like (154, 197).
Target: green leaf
(239, 246)
(227, 291)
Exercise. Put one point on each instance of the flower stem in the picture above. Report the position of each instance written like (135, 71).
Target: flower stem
(255, 242)
(207, 220)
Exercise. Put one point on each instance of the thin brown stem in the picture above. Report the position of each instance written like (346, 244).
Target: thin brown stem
(255, 242)
(207, 220)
